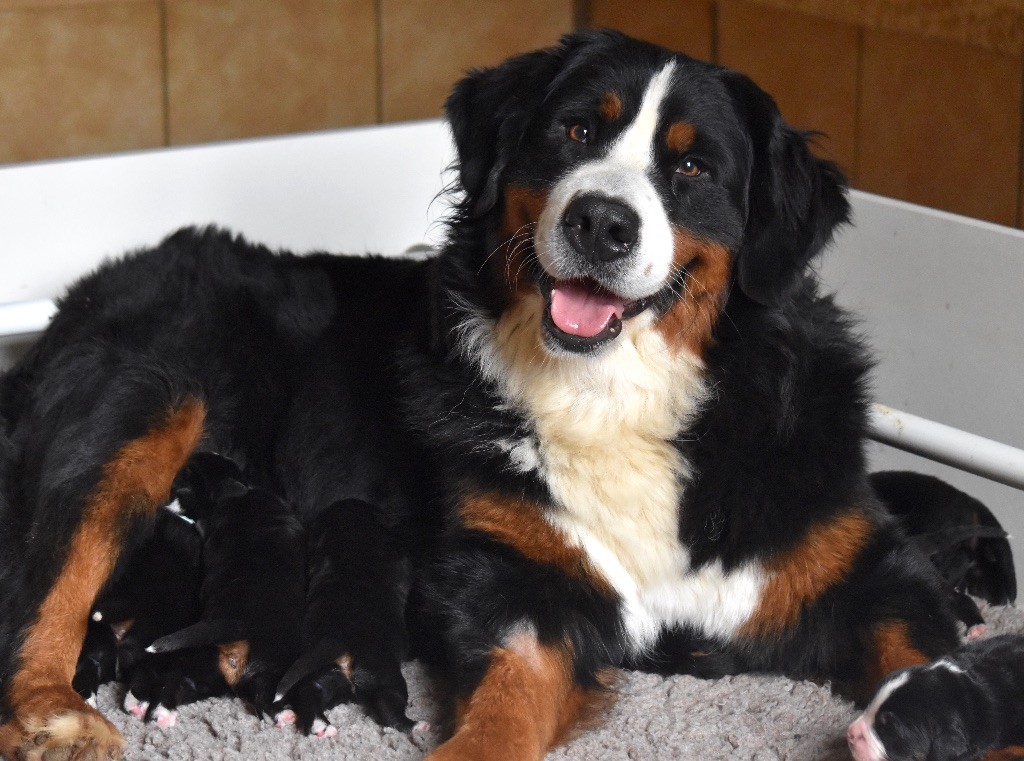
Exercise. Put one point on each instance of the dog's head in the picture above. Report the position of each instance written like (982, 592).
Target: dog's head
(618, 179)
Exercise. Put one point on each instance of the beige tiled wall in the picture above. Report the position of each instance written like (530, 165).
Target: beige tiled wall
(426, 45)
(686, 25)
(237, 68)
(932, 120)
(940, 125)
(80, 78)
(813, 56)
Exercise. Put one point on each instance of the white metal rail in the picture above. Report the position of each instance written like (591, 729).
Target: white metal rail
(990, 459)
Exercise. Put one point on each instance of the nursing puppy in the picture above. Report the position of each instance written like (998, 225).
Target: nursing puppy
(97, 663)
(352, 557)
(153, 592)
(617, 381)
(968, 705)
(253, 584)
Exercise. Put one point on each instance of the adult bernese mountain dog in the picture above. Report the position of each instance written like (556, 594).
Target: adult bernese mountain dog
(614, 419)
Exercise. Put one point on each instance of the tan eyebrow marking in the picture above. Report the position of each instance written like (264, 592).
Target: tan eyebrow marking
(680, 136)
(611, 106)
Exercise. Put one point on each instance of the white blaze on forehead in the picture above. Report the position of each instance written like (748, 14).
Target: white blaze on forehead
(867, 719)
(884, 692)
(946, 664)
(635, 146)
(621, 174)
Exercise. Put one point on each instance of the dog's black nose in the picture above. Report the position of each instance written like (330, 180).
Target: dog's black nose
(600, 229)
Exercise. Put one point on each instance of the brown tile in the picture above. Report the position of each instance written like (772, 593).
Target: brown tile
(940, 125)
(808, 64)
(239, 68)
(9, 4)
(685, 25)
(428, 44)
(81, 79)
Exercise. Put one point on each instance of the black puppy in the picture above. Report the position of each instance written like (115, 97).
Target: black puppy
(959, 535)
(97, 662)
(155, 591)
(981, 565)
(961, 707)
(352, 557)
(254, 580)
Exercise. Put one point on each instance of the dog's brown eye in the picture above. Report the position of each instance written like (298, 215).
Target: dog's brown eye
(689, 168)
(579, 132)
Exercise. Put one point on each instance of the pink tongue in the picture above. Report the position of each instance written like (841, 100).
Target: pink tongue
(582, 311)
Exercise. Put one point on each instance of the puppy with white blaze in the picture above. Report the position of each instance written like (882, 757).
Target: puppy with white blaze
(967, 706)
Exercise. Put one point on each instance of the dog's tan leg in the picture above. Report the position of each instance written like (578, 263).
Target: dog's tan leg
(50, 722)
(526, 704)
(1004, 754)
(893, 650)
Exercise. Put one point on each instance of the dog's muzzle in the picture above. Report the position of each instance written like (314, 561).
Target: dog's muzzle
(600, 229)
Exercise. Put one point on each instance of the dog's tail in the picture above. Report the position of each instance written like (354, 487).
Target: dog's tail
(326, 650)
(205, 632)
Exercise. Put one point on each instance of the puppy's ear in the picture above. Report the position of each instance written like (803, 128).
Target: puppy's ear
(490, 110)
(796, 200)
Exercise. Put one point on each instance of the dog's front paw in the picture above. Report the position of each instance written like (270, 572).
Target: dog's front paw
(78, 734)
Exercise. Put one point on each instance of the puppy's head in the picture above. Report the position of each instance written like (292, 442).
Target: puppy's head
(920, 712)
(617, 179)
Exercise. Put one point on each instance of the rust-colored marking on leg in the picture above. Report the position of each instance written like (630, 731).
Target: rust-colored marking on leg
(800, 576)
(704, 268)
(520, 525)
(1005, 754)
(232, 659)
(133, 483)
(345, 665)
(526, 704)
(893, 650)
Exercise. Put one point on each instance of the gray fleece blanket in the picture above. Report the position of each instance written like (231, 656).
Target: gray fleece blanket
(754, 716)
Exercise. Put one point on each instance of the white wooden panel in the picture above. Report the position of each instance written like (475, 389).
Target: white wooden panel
(356, 190)
(940, 297)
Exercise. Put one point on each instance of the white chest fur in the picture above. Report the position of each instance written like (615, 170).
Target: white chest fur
(604, 427)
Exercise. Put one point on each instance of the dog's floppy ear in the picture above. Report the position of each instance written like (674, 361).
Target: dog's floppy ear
(489, 111)
(796, 200)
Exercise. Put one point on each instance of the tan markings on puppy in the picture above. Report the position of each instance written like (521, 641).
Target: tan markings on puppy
(893, 650)
(611, 107)
(345, 665)
(799, 576)
(520, 524)
(525, 704)
(232, 660)
(679, 137)
(689, 323)
(122, 628)
(135, 482)
(523, 207)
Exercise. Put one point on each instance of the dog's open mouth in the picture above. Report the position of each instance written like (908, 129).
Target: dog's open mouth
(582, 314)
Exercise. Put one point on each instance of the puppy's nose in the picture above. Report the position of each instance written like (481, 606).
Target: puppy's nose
(600, 229)
(857, 739)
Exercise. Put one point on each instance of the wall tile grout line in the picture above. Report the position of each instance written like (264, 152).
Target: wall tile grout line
(858, 97)
(379, 59)
(715, 33)
(165, 67)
